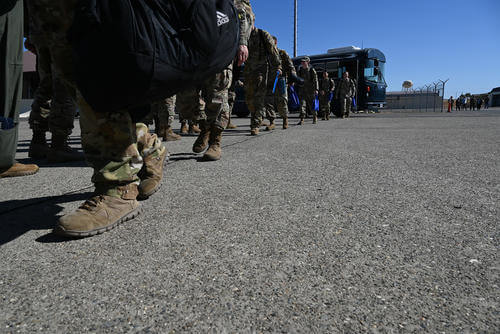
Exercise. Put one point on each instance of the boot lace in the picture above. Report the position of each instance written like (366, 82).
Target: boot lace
(92, 203)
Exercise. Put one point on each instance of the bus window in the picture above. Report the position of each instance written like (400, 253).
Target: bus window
(374, 70)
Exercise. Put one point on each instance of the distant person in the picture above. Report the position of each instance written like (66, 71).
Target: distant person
(326, 88)
(309, 91)
(344, 93)
(457, 104)
(11, 55)
(486, 102)
(450, 103)
(478, 103)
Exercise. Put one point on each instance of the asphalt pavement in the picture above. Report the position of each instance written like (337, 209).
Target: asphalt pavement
(381, 223)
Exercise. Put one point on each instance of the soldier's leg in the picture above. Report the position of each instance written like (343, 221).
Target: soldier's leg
(215, 94)
(310, 104)
(303, 108)
(40, 108)
(282, 106)
(255, 95)
(348, 106)
(11, 70)
(164, 117)
(231, 100)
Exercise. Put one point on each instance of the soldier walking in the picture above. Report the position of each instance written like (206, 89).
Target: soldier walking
(54, 105)
(308, 92)
(344, 93)
(326, 87)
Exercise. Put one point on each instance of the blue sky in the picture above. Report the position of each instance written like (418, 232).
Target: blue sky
(423, 40)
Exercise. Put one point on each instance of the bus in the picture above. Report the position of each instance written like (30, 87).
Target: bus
(365, 66)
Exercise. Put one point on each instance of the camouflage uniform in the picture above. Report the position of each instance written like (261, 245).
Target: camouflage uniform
(190, 106)
(114, 146)
(307, 92)
(279, 100)
(260, 71)
(326, 86)
(163, 112)
(344, 93)
(60, 117)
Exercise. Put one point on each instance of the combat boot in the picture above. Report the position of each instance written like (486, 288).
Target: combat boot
(184, 128)
(201, 142)
(61, 152)
(254, 131)
(18, 169)
(271, 125)
(100, 213)
(151, 175)
(214, 151)
(167, 134)
(301, 122)
(38, 146)
(315, 119)
(194, 129)
(285, 123)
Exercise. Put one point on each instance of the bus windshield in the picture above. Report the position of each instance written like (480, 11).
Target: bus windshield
(369, 72)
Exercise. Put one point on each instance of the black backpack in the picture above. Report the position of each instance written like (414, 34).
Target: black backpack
(129, 53)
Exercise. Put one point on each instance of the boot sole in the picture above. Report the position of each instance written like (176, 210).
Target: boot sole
(19, 174)
(79, 234)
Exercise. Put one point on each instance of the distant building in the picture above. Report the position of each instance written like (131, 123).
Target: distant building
(494, 97)
(414, 100)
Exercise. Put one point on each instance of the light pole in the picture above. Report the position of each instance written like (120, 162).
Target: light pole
(444, 83)
(295, 30)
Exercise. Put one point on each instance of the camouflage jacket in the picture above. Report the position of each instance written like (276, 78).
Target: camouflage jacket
(345, 88)
(262, 53)
(326, 85)
(310, 79)
(246, 16)
(286, 64)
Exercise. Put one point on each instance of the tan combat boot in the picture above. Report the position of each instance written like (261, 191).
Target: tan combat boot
(184, 128)
(301, 122)
(60, 151)
(285, 123)
(315, 119)
(38, 146)
(271, 125)
(18, 169)
(214, 151)
(201, 142)
(151, 175)
(167, 134)
(100, 213)
(194, 129)
(254, 131)
(231, 126)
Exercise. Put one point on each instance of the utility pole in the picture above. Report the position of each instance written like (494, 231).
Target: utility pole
(444, 83)
(295, 29)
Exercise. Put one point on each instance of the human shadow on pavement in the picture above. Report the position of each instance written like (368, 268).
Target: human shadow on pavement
(183, 156)
(20, 216)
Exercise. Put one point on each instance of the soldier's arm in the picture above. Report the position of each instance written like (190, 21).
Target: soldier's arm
(315, 79)
(245, 14)
(272, 51)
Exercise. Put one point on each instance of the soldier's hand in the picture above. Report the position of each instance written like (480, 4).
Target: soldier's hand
(242, 54)
(280, 72)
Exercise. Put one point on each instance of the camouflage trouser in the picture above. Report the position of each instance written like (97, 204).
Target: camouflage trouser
(306, 105)
(60, 117)
(277, 101)
(231, 99)
(345, 105)
(190, 106)
(163, 113)
(215, 93)
(114, 146)
(324, 105)
(255, 95)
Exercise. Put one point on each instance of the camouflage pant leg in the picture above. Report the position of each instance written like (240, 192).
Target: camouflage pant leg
(215, 92)
(231, 99)
(306, 103)
(270, 101)
(282, 103)
(163, 112)
(255, 94)
(63, 108)
(190, 106)
(324, 105)
(115, 147)
(345, 105)
(40, 108)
